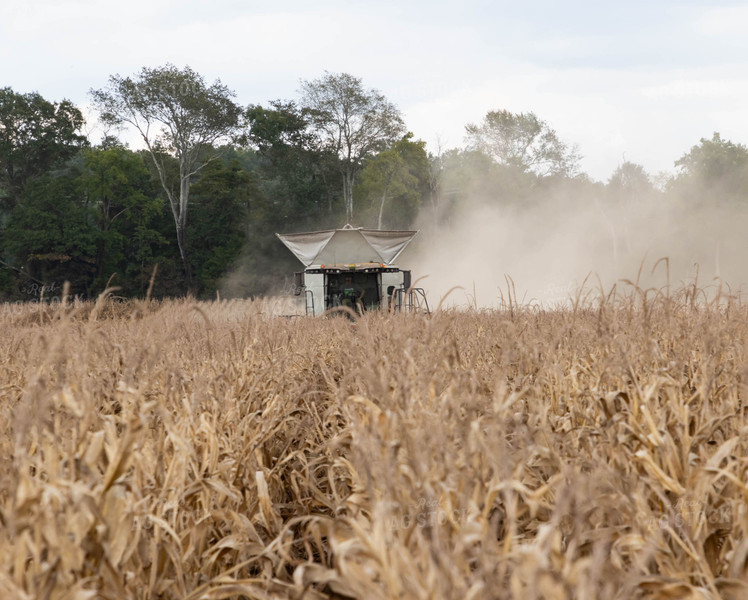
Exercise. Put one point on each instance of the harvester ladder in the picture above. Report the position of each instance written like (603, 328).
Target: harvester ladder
(412, 300)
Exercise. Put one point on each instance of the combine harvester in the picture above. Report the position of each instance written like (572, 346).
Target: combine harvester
(354, 267)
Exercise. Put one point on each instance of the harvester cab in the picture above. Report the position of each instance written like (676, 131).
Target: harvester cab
(354, 267)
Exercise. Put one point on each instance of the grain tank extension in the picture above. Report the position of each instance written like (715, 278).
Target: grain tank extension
(354, 267)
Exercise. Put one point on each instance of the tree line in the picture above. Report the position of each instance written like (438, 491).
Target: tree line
(214, 180)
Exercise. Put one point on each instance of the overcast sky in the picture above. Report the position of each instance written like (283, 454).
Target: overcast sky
(637, 80)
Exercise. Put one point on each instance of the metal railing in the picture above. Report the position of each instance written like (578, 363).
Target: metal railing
(411, 300)
(309, 300)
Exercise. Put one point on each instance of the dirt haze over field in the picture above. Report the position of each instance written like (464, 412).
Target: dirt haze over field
(548, 249)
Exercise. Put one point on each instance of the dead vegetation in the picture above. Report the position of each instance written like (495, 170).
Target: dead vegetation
(211, 450)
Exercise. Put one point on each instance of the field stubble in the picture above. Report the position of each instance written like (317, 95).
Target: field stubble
(212, 450)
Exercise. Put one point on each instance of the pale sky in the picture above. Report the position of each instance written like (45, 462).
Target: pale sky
(640, 80)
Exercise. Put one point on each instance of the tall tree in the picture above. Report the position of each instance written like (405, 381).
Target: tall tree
(117, 187)
(397, 178)
(296, 174)
(470, 177)
(629, 189)
(178, 117)
(715, 170)
(36, 135)
(436, 176)
(630, 180)
(352, 122)
(223, 195)
(51, 232)
(524, 142)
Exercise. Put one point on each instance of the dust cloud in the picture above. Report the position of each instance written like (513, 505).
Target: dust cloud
(543, 252)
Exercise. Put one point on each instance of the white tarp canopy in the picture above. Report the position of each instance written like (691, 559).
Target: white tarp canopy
(347, 245)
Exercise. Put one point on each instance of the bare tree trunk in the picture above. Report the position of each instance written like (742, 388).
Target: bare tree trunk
(179, 211)
(434, 197)
(183, 253)
(381, 208)
(348, 193)
(181, 223)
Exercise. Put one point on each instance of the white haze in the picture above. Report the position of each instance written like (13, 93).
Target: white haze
(546, 252)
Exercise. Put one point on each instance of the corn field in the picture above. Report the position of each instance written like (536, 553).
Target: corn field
(214, 450)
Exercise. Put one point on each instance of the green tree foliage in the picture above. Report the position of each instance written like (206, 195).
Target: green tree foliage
(36, 135)
(51, 232)
(298, 190)
(436, 177)
(73, 212)
(470, 177)
(98, 217)
(523, 142)
(177, 115)
(296, 174)
(396, 181)
(628, 192)
(223, 197)
(118, 189)
(351, 123)
(713, 171)
(630, 180)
